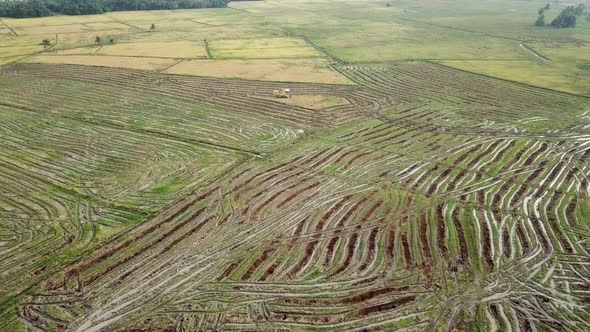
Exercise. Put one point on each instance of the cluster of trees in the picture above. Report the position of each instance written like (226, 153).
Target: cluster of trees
(565, 19)
(19, 9)
(39, 8)
(541, 19)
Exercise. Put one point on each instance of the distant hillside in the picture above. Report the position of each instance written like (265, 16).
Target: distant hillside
(40, 8)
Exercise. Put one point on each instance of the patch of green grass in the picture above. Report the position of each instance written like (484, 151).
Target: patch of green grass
(402, 323)
(551, 74)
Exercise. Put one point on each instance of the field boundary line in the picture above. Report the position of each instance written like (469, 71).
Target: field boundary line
(406, 60)
(124, 23)
(269, 58)
(312, 44)
(534, 52)
(365, 85)
(322, 50)
(459, 69)
(9, 27)
(207, 49)
(434, 59)
(237, 78)
(91, 29)
(24, 56)
(199, 22)
(161, 71)
(8, 64)
(511, 81)
(335, 85)
(240, 9)
(118, 56)
(459, 29)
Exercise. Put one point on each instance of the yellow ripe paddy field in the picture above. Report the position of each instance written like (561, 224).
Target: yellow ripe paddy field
(352, 32)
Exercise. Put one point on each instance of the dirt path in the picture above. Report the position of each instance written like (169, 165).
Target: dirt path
(535, 53)
(9, 27)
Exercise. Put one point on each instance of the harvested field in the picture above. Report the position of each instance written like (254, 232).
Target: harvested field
(246, 100)
(317, 102)
(401, 200)
(142, 189)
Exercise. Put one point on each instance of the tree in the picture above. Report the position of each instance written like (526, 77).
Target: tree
(566, 19)
(547, 7)
(98, 40)
(37, 8)
(153, 27)
(580, 10)
(541, 19)
(46, 43)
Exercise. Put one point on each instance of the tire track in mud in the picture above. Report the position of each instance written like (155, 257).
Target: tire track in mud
(463, 248)
(144, 249)
(423, 230)
(310, 247)
(116, 248)
(350, 249)
(526, 184)
(450, 169)
(347, 239)
(406, 250)
(347, 216)
(258, 262)
(371, 245)
(394, 304)
(441, 233)
(229, 269)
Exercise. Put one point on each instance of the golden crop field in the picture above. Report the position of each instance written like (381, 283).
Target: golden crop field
(105, 61)
(270, 29)
(281, 70)
(177, 49)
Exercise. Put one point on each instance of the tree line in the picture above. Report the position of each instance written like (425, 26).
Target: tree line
(566, 18)
(40, 8)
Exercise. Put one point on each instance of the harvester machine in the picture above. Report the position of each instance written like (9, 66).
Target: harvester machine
(282, 93)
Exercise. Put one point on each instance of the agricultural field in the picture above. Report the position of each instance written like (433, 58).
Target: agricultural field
(430, 170)
(497, 42)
